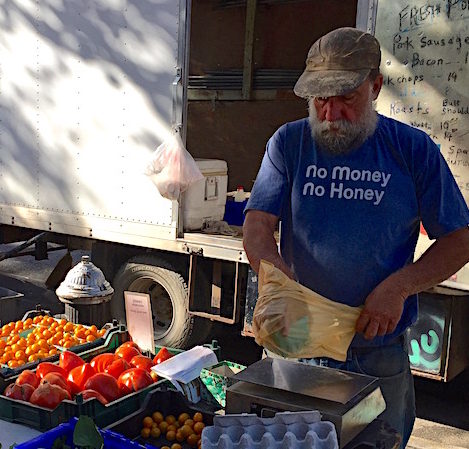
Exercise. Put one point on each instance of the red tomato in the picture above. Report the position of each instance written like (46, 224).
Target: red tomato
(127, 352)
(130, 344)
(68, 360)
(88, 394)
(27, 377)
(163, 354)
(116, 368)
(56, 379)
(78, 376)
(104, 384)
(48, 367)
(140, 361)
(22, 392)
(154, 376)
(133, 379)
(48, 395)
(102, 361)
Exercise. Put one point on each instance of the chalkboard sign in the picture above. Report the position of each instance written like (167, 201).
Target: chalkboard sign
(425, 62)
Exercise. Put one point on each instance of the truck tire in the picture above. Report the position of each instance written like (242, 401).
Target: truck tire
(173, 326)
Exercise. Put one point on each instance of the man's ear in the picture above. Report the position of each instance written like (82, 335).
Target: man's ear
(377, 84)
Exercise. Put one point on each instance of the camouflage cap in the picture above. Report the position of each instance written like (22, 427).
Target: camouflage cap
(338, 63)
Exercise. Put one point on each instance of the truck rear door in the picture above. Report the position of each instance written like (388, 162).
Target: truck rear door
(89, 89)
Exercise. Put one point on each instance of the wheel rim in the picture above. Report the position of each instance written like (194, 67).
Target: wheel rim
(162, 305)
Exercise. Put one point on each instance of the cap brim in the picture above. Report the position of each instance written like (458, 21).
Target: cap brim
(329, 83)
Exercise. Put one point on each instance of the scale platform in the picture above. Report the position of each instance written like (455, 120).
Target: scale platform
(351, 401)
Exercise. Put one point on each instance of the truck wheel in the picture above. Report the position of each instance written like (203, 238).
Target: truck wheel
(173, 326)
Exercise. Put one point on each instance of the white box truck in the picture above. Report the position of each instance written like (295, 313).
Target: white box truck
(89, 89)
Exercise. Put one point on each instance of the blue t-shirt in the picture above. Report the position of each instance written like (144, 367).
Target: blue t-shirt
(349, 221)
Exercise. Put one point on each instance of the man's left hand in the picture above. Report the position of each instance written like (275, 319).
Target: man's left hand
(382, 311)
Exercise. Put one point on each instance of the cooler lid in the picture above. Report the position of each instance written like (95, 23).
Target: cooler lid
(212, 166)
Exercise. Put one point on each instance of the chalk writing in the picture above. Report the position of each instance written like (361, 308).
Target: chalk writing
(426, 73)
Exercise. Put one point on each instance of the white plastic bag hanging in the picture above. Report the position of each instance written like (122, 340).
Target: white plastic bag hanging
(172, 169)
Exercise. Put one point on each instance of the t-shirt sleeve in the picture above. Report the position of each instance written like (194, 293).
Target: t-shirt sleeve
(442, 206)
(271, 187)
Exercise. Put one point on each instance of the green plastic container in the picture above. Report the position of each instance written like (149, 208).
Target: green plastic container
(109, 342)
(103, 415)
(218, 378)
(168, 402)
(44, 419)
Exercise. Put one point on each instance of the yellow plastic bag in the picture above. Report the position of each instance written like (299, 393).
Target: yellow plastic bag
(318, 327)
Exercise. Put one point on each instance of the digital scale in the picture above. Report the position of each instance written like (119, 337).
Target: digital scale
(350, 401)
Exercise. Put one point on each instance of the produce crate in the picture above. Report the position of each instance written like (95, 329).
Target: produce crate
(218, 378)
(112, 339)
(112, 440)
(103, 415)
(43, 419)
(168, 402)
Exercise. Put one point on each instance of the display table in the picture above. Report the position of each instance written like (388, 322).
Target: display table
(11, 433)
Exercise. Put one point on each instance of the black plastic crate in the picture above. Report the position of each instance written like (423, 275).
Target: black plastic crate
(168, 402)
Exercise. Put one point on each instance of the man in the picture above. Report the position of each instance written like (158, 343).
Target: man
(350, 188)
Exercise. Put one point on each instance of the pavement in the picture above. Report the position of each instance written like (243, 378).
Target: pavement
(442, 409)
(432, 435)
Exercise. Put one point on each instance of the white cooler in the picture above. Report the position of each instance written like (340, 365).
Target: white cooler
(205, 200)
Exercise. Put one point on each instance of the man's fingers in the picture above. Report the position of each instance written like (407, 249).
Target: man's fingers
(362, 322)
(391, 326)
(382, 328)
(372, 329)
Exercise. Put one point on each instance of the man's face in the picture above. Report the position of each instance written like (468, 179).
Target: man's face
(341, 124)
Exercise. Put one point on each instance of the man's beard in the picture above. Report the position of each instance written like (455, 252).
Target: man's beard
(341, 136)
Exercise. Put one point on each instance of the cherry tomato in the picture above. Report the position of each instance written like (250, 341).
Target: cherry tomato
(163, 354)
(140, 361)
(27, 377)
(133, 379)
(69, 360)
(88, 394)
(56, 379)
(48, 367)
(116, 368)
(78, 376)
(22, 392)
(102, 361)
(49, 395)
(104, 384)
(127, 352)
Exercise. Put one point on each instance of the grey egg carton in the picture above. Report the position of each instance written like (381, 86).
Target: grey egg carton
(287, 430)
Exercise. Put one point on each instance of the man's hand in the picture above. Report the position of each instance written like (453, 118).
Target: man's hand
(383, 309)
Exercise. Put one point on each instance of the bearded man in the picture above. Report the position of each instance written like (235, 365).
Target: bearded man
(351, 188)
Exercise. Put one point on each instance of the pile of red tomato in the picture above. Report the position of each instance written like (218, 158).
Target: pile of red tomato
(106, 377)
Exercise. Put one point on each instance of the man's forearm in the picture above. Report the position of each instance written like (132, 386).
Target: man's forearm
(259, 243)
(446, 256)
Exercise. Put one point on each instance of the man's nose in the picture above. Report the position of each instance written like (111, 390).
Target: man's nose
(332, 110)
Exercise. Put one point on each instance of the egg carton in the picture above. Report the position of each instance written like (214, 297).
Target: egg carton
(287, 430)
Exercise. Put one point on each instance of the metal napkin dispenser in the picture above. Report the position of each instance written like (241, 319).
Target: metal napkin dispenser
(350, 401)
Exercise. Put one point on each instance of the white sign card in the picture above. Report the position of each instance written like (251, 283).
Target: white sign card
(140, 320)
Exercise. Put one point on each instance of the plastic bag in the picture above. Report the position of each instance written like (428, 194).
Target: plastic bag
(172, 169)
(318, 327)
